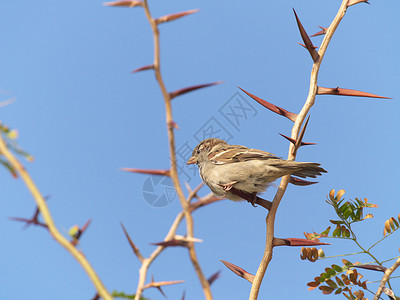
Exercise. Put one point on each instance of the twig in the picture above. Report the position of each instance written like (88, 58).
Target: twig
(386, 277)
(171, 139)
(146, 262)
(41, 203)
(255, 288)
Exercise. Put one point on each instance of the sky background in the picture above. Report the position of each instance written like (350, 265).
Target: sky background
(83, 115)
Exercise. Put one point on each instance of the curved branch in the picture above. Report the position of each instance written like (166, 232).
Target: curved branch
(44, 210)
(255, 288)
(386, 277)
(171, 138)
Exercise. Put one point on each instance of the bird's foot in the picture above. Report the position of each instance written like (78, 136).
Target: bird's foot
(254, 200)
(227, 187)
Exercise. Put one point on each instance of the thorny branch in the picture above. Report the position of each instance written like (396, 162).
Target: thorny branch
(270, 220)
(44, 210)
(173, 167)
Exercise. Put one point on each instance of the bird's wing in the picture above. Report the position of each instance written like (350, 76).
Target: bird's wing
(236, 153)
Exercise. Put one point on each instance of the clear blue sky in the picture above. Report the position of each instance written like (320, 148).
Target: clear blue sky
(83, 115)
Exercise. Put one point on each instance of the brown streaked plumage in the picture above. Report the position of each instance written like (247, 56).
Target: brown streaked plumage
(223, 166)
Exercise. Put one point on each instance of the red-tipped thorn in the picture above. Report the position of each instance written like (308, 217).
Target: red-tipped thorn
(353, 2)
(276, 109)
(148, 67)
(301, 182)
(192, 88)
(295, 242)
(238, 271)
(132, 244)
(306, 39)
(124, 3)
(173, 124)
(322, 32)
(159, 284)
(346, 92)
(315, 47)
(171, 243)
(175, 16)
(147, 171)
(293, 141)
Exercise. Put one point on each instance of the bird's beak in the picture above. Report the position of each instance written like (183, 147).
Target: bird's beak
(192, 160)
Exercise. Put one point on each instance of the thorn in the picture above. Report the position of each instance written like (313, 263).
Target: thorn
(159, 284)
(203, 202)
(124, 3)
(147, 171)
(178, 241)
(306, 39)
(238, 271)
(132, 244)
(306, 46)
(301, 135)
(34, 219)
(174, 16)
(301, 182)
(191, 88)
(213, 277)
(353, 2)
(346, 92)
(293, 141)
(148, 67)
(276, 109)
(295, 242)
(173, 124)
(322, 32)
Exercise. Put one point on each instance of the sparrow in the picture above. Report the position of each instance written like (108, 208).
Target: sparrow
(223, 167)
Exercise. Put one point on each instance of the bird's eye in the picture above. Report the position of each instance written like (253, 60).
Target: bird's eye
(198, 151)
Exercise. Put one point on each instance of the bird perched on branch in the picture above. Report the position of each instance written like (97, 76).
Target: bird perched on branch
(226, 168)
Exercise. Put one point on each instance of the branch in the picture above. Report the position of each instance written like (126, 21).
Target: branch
(173, 168)
(385, 278)
(44, 210)
(255, 288)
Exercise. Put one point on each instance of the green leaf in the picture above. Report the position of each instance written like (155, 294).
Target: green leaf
(337, 268)
(336, 222)
(336, 232)
(330, 271)
(326, 231)
(122, 295)
(332, 284)
(339, 282)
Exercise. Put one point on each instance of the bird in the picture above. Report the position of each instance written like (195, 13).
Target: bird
(225, 168)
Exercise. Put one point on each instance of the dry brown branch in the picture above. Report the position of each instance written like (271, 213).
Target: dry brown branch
(44, 210)
(173, 168)
(385, 278)
(267, 256)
